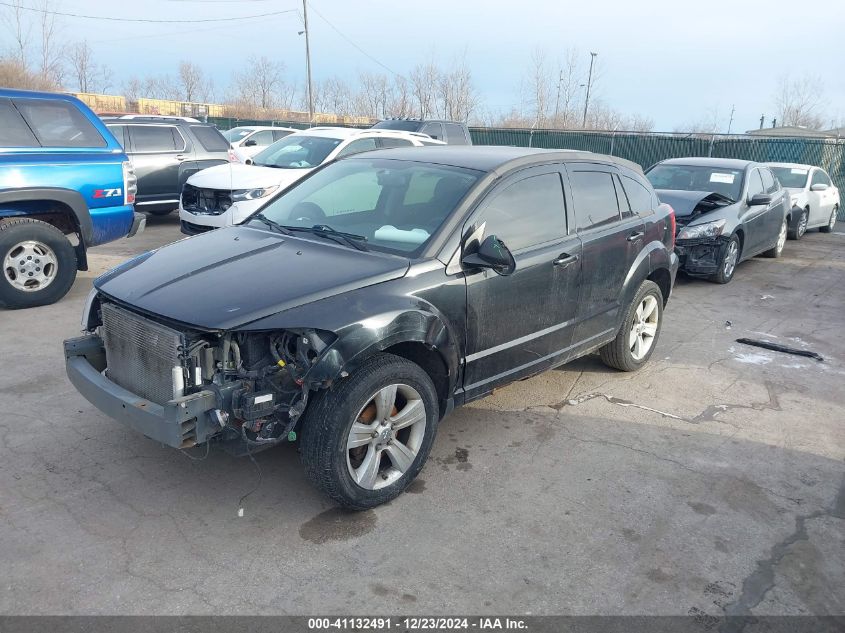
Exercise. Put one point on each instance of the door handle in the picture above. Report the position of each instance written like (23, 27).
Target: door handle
(633, 237)
(565, 260)
(180, 157)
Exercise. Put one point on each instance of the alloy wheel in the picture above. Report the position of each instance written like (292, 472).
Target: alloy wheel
(802, 223)
(30, 266)
(643, 327)
(386, 436)
(832, 222)
(731, 258)
(781, 237)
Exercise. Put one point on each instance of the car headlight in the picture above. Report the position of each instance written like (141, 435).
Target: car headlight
(698, 231)
(252, 194)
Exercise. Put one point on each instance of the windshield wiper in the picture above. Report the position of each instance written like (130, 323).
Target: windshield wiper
(272, 224)
(324, 230)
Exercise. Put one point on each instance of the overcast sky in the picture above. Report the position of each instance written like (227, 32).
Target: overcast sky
(674, 61)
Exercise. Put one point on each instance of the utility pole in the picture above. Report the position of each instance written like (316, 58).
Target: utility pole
(308, 63)
(557, 101)
(589, 84)
(762, 120)
(731, 122)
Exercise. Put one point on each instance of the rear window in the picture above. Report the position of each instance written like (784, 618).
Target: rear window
(13, 130)
(59, 124)
(210, 138)
(405, 126)
(455, 134)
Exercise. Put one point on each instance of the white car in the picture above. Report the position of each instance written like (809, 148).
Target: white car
(225, 195)
(248, 140)
(815, 199)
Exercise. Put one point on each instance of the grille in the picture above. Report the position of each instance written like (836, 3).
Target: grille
(205, 201)
(140, 353)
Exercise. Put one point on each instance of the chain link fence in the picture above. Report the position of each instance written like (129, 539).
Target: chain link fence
(647, 149)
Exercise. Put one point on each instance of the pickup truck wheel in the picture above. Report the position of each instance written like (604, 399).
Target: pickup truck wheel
(38, 263)
(365, 439)
(831, 223)
(636, 339)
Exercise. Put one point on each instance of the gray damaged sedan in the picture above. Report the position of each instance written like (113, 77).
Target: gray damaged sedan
(727, 211)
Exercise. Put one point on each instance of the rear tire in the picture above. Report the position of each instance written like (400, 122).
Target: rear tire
(640, 327)
(828, 228)
(37, 263)
(349, 426)
(777, 249)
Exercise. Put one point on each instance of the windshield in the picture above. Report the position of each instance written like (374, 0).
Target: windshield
(792, 177)
(297, 152)
(395, 205)
(236, 134)
(405, 126)
(727, 182)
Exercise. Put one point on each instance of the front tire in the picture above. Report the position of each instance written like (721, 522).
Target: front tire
(831, 223)
(365, 439)
(801, 227)
(730, 259)
(637, 338)
(38, 263)
(777, 249)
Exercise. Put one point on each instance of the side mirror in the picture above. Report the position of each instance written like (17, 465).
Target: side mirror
(819, 187)
(250, 142)
(760, 199)
(492, 253)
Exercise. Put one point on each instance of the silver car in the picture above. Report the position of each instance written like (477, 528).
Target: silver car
(814, 197)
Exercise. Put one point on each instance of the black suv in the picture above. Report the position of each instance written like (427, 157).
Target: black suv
(450, 132)
(362, 305)
(165, 152)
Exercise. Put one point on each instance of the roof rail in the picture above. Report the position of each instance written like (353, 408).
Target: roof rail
(156, 117)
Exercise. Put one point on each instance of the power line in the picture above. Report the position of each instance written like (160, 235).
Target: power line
(113, 19)
(358, 48)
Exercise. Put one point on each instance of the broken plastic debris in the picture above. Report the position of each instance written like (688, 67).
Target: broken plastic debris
(240, 512)
(777, 347)
(728, 324)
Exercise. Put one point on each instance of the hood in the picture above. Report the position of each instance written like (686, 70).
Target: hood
(693, 203)
(230, 277)
(239, 176)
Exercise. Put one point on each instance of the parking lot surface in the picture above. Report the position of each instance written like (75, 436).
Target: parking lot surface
(710, 482)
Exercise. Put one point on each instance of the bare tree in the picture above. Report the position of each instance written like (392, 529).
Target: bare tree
(539, 86)
(424, 81)
(17, 23)
(50, 57)
(83, 68)
(457, 94)
(261, 86)
(569, 82)
(799, 102)
(13, 74)
(191, 78)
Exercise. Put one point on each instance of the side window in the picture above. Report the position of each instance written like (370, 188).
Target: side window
(594, 197)
(769, 182)
(119, 132)
(277, 134)
(621, 198)
(820, 178)
(455, 134)
(13, 130)
(210, 138)
(755, 183)
(527, 213)
(639, 197)
(434, 130)
(357, 146)
(59, 123)
(262, 138)
(153, 138)
(394, 142)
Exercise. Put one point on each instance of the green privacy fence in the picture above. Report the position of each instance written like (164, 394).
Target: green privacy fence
(647, 149)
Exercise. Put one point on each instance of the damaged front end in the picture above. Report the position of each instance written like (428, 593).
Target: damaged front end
(184, 387)
(700, 246)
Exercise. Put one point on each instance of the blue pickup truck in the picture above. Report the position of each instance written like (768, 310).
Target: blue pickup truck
(65, 185)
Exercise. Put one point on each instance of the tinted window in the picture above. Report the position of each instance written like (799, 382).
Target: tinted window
(639, 197)
(769, 182)
(119, 132)
(265, 137)
(434, 130)
(395, 142)
(155, 138)
(358, 146)
(455, 134)
(755, 183)
(820, 178)
(13, 130)
(59, 124)
(594, 198)
(405, 126)
(277, 134)
(527, 213)
(210, 138)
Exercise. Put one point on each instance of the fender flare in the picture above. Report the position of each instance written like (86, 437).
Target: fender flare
(68, 197)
